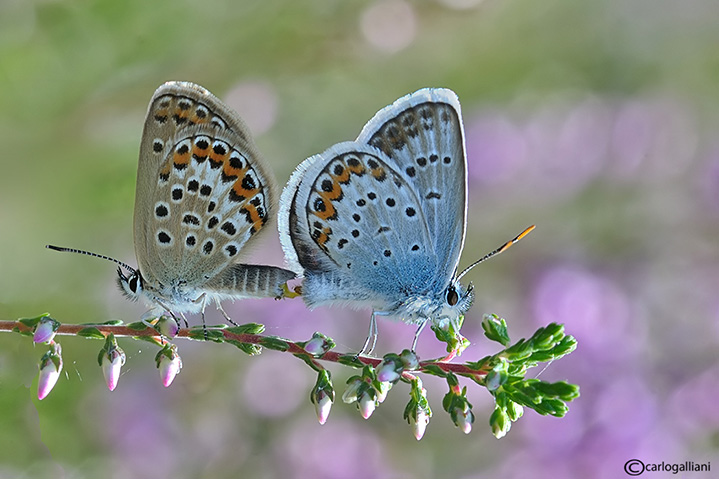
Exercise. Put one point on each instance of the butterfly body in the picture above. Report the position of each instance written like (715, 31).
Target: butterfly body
(380, 221)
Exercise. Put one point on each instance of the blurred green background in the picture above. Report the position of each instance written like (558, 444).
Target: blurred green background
(596, 121)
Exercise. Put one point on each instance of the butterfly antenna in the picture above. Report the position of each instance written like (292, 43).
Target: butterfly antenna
(73, 250)
(501, 249)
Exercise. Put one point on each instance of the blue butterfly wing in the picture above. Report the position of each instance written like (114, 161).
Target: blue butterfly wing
(358, 229)
(423, 136)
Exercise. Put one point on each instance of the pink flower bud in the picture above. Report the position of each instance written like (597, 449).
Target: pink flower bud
(367, 405)
(169, 367)
(50, 367)
(323, 404)
(168, 327)
(388, 371)
(315, 346)
(45, 330)
(112, 363)
(465, 419)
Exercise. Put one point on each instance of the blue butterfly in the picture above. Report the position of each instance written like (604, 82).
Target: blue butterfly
(380, 221)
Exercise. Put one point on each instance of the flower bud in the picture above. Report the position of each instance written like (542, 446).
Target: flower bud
(367, 404)
(50, 367)
(500, 423)
(318, 345)
(419, 424)
(323, 395)
(389, 371)
(323, 405)
(45, 330)
(169, 363)
(167, 326)
(382, 392)
(464, 419)
(112, 363)
(409, 360)
(353, 389)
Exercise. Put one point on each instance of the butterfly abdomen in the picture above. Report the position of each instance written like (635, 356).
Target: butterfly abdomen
(251, 281)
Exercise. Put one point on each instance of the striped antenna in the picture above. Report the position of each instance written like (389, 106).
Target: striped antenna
(501, 249)
(73, 250)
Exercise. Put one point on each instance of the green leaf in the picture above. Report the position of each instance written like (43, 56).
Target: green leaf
(481, 365)
(112, 322)
(551, 407)
(149, 339)
(540, 357)
(32, 322)
(564, 347)
(495, 328)
(514, 411)
(434, 370)
(520, 350)
(201, 334)
(308, 360)
(248, 348)
(448, 332)
(249, 328)
(137, 326)
(91, 332)
(547, 337)
(560, 389)
(274, 342)
(500, 423)
(350, 360)
(522, 395)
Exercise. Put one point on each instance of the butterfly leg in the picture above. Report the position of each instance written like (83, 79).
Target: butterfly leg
(203, 298)
(416, 335)
(173, 314)
(371, 341)
(227, 316)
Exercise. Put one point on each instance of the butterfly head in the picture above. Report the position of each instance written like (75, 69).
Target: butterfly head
(456, 300)
(130, 284)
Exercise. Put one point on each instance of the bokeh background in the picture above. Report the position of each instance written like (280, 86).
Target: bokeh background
(596, 121)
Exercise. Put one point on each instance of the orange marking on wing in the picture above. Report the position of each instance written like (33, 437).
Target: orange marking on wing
(343, 178)
(229, 170)
(358, 169)
(180, 113)
(254, 217)
(215, 158)
(329, 211)
(238, 189)
(333, 195)
(161, 112)
(165, 172)
(378, 172)
(199, 119)
(196, 150)
(323, 237)
(181, 158)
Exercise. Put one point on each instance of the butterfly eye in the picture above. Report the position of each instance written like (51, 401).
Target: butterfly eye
(132, 283)
(452, 296)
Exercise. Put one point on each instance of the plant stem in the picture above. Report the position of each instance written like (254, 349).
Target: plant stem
(330, 356)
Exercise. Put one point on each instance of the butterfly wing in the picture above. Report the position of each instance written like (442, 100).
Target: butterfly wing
(356, 228)
(202, 193)
(423, 135)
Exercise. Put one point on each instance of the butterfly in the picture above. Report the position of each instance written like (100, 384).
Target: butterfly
(380, 222)
(203, 192)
